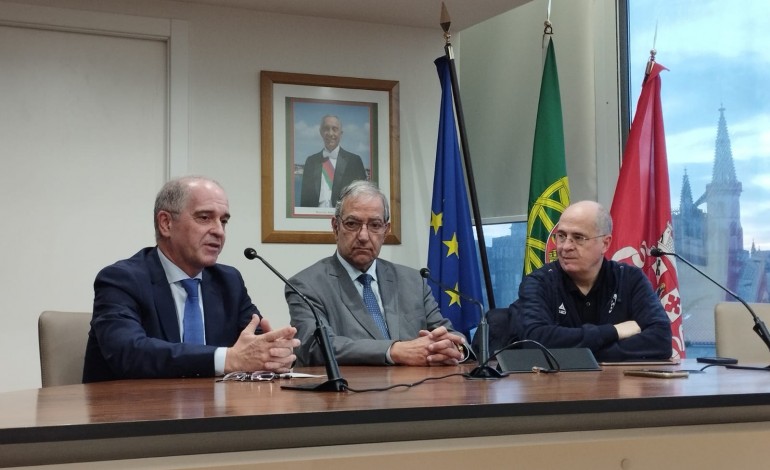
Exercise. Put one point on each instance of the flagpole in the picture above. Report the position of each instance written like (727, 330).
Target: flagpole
(445, 23)
(650, 64)
(653, 53)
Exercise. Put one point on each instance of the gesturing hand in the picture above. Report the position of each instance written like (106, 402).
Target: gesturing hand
(273, 350)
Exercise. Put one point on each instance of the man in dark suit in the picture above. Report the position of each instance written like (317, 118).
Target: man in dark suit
(147, 324)
(325, 173)
(378, 312)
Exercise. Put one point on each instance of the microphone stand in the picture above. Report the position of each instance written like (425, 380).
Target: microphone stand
(334, 382)
(759, 326)
(483, 371)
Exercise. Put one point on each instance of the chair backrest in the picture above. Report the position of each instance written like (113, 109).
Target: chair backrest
(734, 334)
(62, 337)
(501, 330)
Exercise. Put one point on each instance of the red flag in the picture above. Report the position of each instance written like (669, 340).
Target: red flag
(641, 209)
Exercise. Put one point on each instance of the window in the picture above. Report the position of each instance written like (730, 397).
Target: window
(716, 111)
(505, 252)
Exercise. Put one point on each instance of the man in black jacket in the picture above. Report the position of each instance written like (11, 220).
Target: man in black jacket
(585, 300)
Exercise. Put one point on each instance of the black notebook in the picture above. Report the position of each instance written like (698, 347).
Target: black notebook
(569, 359)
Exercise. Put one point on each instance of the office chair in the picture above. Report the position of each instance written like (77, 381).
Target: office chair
(501, 332)
(734, 335)
(62, 338)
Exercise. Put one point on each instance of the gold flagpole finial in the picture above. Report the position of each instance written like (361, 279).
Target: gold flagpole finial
(445, 22)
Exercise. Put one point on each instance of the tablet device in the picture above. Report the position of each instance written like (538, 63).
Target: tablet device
(642, 362)
(717, 360)
(658, 374)
(569, 359)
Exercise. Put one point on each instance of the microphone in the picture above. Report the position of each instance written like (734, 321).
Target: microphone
(334, 382)
(759, 326)
(483, 371)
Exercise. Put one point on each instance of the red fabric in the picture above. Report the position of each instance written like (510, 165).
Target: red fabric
(641, 209)
(328, 170)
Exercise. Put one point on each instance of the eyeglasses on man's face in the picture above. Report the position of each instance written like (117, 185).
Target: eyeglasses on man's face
(376, 227)
(561, 238)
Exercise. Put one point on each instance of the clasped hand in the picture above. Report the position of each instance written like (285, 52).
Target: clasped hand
(627, 329)
(273, 350)
(437, 347)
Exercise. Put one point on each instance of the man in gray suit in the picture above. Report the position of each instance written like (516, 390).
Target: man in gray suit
(378, 313)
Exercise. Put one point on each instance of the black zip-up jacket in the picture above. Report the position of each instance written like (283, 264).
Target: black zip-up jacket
(546, 312)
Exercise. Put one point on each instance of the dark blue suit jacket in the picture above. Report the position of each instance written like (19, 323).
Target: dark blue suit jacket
(135, 330)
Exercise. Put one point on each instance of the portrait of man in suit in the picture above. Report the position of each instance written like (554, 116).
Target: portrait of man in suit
(326, 172)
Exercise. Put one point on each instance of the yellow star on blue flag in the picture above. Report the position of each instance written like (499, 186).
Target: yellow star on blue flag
(435, 221)
(452, 245)
(452, 257)
(454, 298)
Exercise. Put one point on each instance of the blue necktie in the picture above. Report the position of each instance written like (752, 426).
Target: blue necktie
(193, 319)
(370, 301)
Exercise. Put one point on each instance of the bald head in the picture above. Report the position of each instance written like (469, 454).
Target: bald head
(592, 212)
(585, 228)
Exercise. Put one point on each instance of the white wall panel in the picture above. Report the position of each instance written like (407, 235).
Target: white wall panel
(83, 127)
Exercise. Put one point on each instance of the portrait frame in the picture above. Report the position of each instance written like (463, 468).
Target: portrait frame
(283, 96)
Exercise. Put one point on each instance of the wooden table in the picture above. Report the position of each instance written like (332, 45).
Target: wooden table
(219, 421)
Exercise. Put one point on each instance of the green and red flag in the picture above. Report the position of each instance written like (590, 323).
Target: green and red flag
(548, 186)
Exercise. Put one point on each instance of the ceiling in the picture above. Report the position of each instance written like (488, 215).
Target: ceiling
(415, 13)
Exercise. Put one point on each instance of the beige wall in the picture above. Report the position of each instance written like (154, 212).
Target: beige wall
(226, 49)
(501, 68)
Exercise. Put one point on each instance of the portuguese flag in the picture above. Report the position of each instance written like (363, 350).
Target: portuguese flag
(548, 185)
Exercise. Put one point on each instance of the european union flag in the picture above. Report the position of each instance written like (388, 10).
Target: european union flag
(452, 249)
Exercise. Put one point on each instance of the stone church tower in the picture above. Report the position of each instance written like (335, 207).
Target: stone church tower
(723, 204)
(710, 237)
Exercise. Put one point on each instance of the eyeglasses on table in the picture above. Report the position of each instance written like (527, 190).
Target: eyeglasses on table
(257, 376)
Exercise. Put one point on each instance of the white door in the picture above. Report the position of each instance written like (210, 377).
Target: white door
(83, 149)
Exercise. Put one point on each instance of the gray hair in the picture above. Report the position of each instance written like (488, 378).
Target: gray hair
(172, 197)
(603, 220)
(362, 188)
(330, 116)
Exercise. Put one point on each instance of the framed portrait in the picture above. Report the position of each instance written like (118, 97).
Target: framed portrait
(319, 133)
